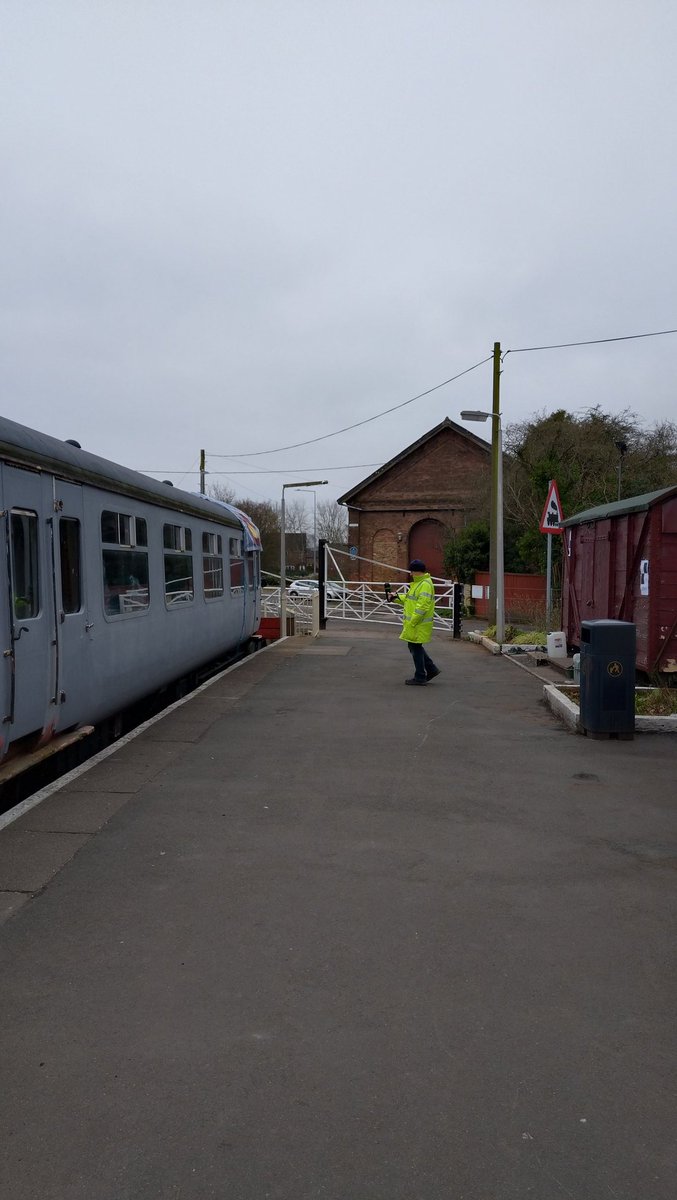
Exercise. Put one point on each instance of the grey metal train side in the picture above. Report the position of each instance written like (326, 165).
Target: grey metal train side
(114, 585)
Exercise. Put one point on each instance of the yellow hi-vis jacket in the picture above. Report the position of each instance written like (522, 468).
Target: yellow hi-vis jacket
(419, 610)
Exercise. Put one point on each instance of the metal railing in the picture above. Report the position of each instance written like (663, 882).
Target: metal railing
(369, 602)
(300, 607)
(358, 600)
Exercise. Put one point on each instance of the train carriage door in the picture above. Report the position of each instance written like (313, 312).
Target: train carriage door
(74, 630)
(29, 652)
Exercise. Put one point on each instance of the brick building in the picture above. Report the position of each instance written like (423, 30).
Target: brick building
(405, 509)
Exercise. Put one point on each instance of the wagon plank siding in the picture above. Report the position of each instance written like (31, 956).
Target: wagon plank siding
(621, 563)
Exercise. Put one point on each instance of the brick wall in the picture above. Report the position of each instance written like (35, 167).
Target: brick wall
(524, 595)
(446, 479)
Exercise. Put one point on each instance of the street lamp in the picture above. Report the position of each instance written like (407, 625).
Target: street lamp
(496, 577)
(283, 550)
(314, 495)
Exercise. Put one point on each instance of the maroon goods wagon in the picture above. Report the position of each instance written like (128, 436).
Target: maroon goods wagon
(620, 563)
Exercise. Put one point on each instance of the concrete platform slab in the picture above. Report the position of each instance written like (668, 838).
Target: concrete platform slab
(28, 860)
(10, 903)
(71, 811)
(329, 650)
(133, 765)
(359, 941)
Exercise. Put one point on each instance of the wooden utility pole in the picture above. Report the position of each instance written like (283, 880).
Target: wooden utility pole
(202, 473)
(495, 451)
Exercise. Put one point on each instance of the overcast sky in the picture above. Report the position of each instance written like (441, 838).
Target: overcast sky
(240, 224)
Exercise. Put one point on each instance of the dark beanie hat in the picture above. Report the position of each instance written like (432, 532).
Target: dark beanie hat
(416, 565)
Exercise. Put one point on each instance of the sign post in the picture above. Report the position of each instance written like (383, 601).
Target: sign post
(551, 522)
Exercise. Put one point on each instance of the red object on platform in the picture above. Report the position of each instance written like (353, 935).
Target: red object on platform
(519, 590)
(269, 628)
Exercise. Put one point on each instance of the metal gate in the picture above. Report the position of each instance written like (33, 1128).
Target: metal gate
(358, 600)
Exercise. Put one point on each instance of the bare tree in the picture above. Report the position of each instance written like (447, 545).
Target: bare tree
(295, 515)
(332, 522)
(265, 515)
(221, 491)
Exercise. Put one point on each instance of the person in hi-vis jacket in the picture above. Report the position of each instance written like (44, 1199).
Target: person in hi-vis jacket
(418, 603)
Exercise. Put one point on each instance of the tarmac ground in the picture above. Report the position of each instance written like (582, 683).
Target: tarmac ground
(315, 934)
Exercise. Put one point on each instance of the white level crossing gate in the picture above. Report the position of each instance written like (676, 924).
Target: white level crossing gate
(358, 600)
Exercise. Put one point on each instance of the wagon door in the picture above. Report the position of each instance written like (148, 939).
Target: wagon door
(74, 629)
(29, 648)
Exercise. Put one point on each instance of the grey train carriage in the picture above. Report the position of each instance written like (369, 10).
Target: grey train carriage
(114, 586)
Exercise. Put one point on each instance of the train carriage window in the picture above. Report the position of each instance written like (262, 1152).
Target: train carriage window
(109, 527)
(236, 563)
(125, 582)
(178, 544)
(69, 556)
(251, 574)
(126, 589)
(212, 565)
(121, 529)
(24, 531)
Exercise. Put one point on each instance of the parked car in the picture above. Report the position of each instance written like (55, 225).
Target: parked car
(306, 587)
(303, 587)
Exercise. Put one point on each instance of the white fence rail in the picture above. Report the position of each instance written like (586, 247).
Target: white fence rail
(369, 602)
(306, 620)
(355, 600)
(351, 600)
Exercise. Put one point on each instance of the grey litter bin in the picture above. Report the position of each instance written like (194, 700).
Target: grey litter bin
(608, 678)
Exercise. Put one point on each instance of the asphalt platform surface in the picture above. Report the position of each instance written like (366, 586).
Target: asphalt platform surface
(319, 935)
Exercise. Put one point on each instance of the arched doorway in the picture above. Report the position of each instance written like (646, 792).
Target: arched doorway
(426, 541)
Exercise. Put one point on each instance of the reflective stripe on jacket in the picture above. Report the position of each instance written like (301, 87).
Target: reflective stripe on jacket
(419, 610)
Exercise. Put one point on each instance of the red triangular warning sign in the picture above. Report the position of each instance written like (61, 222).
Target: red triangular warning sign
(551, 521)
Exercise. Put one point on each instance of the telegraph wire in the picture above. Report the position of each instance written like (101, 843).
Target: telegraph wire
(255, 470)
(183, 476)
(630, 337)
(357, 424)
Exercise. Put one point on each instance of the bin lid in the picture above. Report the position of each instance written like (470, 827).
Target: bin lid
(605, 621)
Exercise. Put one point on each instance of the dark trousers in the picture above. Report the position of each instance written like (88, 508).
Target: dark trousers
(423, 663)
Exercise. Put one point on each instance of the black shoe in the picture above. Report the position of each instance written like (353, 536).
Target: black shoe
(416, 682)
(431, 674)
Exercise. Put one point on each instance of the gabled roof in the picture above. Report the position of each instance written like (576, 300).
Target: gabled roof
(445, 424)
(620, 508)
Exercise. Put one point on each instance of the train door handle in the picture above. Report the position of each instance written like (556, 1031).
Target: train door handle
(16, 636)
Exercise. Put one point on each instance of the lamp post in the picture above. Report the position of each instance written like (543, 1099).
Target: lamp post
(314, 495)
(497, 582)
(283, 550)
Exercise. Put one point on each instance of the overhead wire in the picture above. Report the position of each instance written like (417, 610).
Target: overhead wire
(629, 337)
(367, 420)
(256, 470)
(191, 472)
(356, 424)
